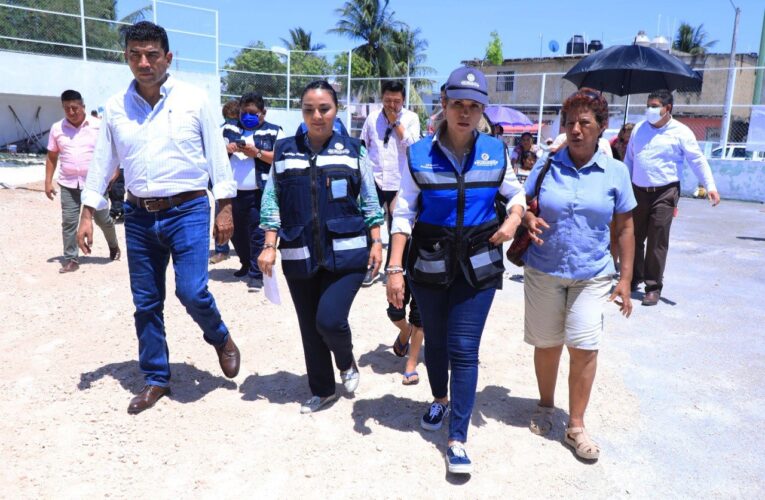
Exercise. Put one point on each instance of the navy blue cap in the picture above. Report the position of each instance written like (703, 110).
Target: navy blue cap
(467, 83)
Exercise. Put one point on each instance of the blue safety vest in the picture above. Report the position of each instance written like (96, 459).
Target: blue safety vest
(322, 225)
(456, 215)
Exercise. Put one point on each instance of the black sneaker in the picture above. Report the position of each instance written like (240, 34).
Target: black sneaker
(434, 418)
(255, 284)
(370, 278)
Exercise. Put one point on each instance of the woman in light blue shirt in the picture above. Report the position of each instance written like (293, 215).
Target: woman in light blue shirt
(568, 269)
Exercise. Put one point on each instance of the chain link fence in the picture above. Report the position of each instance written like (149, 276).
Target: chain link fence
(90, 31)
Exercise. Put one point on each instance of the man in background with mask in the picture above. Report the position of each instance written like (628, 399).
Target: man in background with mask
(655, 154)
(251, 155)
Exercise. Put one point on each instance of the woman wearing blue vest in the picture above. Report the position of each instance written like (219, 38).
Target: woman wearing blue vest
(567, 280)
(321, 202)
(454, 264)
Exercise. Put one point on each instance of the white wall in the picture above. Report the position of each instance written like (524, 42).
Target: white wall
(29, 81)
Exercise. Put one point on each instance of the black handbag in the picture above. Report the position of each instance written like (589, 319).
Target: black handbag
(522, 239)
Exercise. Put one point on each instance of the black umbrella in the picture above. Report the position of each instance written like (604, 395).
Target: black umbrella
(632, 69)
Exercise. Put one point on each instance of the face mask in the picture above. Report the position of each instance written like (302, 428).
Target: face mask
(653, 115)
(249, 121)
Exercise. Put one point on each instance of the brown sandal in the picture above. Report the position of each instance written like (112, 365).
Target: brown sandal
(582, 443)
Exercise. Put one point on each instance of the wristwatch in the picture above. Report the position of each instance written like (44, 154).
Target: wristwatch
(259, 154)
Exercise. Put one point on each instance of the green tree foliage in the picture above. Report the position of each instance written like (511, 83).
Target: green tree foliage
(255, 69)
(60, 29)
(494, 50)
(390, 47)
(300, 39)
(692, 41)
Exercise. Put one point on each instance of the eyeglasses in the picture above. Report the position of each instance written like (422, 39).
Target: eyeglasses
(592, 95)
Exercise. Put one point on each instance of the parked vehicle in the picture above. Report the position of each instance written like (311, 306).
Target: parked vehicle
(737, 152)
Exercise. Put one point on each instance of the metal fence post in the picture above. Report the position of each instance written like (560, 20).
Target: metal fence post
(289, 61)
(82, 31)
(729, 90)
(154, 11)
(541, 108)
(348, 93)
(408, 83)
(217, 45)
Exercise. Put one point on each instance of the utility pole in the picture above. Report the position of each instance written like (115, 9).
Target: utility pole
(725, 132)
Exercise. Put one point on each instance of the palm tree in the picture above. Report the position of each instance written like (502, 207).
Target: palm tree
(371, 22)
(300, 39)
(692, 41)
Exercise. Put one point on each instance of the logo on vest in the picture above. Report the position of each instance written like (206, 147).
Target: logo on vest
(338, 150)
(485, 161)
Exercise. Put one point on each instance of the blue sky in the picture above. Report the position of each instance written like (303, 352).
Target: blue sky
(456, 32)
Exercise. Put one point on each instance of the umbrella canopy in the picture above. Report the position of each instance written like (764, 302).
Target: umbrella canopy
(505, 115)
(632, 69)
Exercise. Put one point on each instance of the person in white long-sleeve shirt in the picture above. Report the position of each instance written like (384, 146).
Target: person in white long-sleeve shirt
(655, 154)
(164, 134)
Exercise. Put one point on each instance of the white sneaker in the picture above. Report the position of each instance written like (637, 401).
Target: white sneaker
(316, 403)
(350, 378)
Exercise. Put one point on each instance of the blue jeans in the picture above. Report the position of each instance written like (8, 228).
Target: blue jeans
(182, 232)
(453, 339)
(248, 237)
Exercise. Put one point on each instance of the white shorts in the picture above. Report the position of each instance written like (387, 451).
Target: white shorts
(564, 311)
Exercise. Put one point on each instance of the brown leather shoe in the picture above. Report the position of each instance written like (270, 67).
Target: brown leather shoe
(114, 253)
(228, 357)
(145, 399)
(218, 257)
(651, 298)
(69, 267)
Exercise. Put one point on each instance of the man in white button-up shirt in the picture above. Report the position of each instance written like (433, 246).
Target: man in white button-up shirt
(655, 154)
(164, 134)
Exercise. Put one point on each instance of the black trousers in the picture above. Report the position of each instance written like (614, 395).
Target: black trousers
(117, 195)
(322, 303)
(248, 237)
(653, 220)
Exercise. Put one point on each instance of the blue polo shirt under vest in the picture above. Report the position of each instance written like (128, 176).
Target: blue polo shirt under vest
(578, 205)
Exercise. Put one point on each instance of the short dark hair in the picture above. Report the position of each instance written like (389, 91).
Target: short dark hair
(590, 99)
(71, 95)
(527, 134)
(252, 98)
(393, 86)
(231, 108)
(320, 85)
(664, 95)
(145, 31)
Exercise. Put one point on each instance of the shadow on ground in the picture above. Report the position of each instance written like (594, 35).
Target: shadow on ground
(280, 388)
(188, 384)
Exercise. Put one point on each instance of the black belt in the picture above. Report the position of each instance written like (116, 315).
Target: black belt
(656, 189)
(157, 204)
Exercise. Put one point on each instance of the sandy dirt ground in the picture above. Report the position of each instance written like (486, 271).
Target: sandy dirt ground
(69, 370)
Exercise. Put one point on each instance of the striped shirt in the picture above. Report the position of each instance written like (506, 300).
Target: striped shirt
(169, 149)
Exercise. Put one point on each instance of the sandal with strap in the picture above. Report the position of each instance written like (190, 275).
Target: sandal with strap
(582, 443)
(542, 420)
(411, 378)
(401, 349)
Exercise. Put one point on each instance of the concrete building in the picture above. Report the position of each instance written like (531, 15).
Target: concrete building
(518, 83)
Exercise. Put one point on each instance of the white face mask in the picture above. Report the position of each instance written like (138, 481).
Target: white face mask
(653, 115)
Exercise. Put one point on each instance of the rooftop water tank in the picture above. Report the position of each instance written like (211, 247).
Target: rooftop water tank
(575, 45)
(660, 43)
(594, 46)
(642, 39)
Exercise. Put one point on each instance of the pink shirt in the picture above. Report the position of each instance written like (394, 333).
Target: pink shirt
(74, 146)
